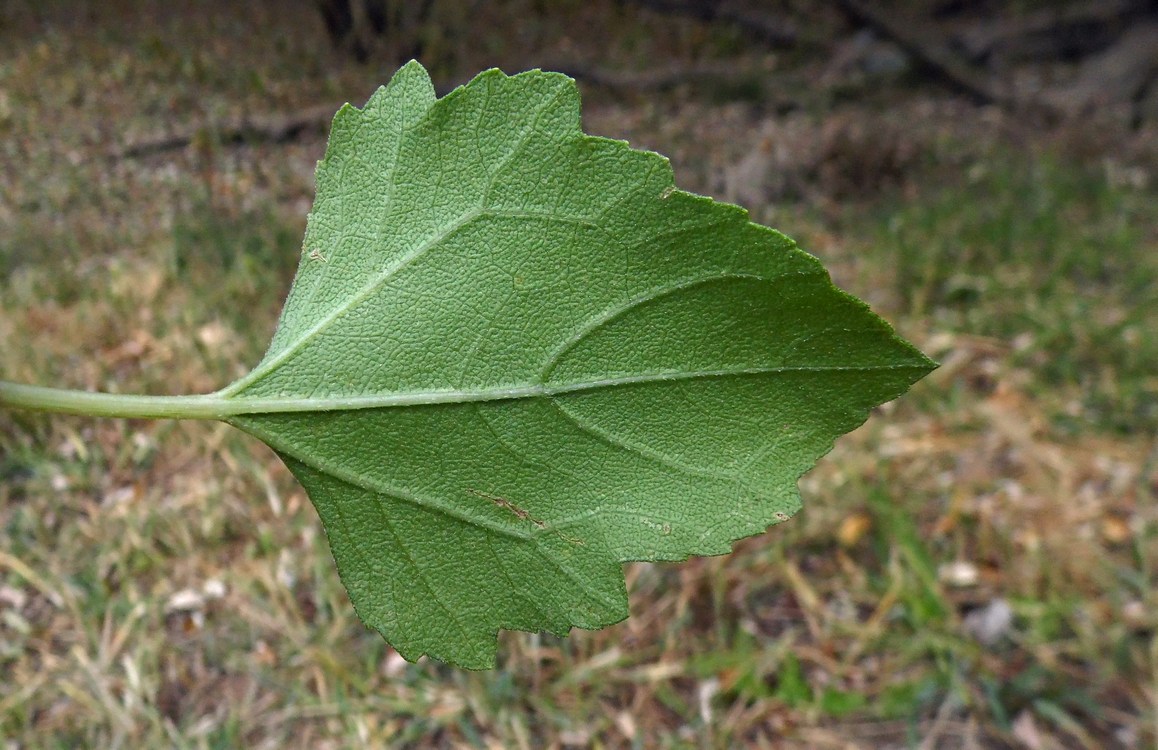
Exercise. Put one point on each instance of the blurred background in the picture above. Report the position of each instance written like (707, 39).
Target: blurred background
(976, 567)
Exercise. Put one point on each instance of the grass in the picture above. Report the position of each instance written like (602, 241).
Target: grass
(1047, 256)
(167, 584)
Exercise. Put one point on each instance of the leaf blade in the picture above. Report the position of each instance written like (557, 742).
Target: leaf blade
(542, 360)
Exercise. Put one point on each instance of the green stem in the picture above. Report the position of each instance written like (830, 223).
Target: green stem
(86, 403)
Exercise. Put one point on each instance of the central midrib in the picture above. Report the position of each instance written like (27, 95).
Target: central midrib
(241, 405)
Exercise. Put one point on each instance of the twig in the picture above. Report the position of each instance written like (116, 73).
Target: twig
(662, 79)
(272, 129)
(917, 40)
(775, 32)
(1066, 29)
(741, 81)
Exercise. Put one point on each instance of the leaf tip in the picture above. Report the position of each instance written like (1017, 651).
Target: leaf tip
(412, 67)
(411, 81)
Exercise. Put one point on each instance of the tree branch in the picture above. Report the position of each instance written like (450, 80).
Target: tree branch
(919, 41)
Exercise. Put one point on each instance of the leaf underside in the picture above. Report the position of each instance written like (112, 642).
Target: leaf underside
(523, 358)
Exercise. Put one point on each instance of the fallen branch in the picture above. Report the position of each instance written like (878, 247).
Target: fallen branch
(1068, 30)
(918, 41)
(725, 79)
(258, 129)
(663, 79)
(286, 127)
(775, 32)
(1116, 76)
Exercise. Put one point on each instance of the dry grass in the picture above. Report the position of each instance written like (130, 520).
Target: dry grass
(168, 585)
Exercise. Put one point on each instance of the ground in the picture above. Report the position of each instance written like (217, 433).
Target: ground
(975, 567)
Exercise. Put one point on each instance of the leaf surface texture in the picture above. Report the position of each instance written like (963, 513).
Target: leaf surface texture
(515, 357)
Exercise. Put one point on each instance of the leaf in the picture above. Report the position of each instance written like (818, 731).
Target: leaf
(515, 357)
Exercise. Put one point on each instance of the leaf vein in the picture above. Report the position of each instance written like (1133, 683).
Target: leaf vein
(648, 453)
(361, 481)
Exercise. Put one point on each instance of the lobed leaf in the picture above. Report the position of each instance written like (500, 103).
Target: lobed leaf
(515, 357)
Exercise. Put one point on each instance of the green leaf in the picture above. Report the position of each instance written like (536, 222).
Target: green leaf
(515, 357)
